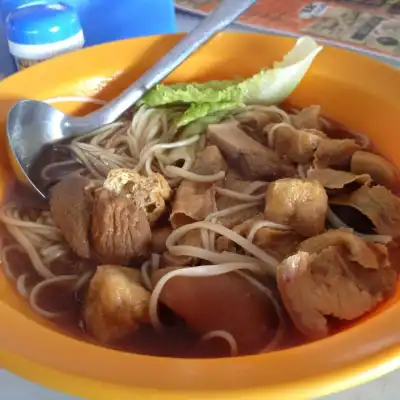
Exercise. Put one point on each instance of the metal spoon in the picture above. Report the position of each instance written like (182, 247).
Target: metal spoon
(32, 125)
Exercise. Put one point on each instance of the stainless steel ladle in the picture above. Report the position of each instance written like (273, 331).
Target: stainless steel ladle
(33, 125)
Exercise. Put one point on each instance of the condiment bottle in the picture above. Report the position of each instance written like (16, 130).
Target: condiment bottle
(41, 31)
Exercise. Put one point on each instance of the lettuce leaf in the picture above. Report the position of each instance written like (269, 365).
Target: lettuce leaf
(200, 110)
(272, 86)
(178, 93)
(269, 86)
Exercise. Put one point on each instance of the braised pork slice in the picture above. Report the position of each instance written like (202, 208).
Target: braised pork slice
(116, 303)
(301, 204)
(158, 238)
(120, 229)
(377, 203)
(256, 118)
(280, 244)
(147, 192)
(380, 170)
(334, 180)
(194, 200)
(307, 118)
(71, 205)
(335, 153)
(316, 286)
(253, 160)
(367, 254)
(226, 302)
(172, 260)
(296, 145)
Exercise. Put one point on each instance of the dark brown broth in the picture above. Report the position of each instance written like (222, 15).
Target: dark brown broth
(176, 339)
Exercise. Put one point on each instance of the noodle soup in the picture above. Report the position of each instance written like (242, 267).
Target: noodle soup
(259, 231)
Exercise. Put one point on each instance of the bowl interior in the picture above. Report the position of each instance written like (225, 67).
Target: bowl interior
(354, 90)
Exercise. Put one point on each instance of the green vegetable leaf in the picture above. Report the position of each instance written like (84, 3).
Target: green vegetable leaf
(272, 86)
(198, 126)
(200, 110)
(210, 92)
(269, 86)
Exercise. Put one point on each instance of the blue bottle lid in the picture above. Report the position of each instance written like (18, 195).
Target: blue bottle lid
(42, 24)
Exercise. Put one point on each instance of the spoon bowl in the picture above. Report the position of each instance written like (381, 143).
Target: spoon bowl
(50, 125)
(31, 127)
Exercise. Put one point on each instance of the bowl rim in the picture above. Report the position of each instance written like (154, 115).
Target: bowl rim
(223, 378)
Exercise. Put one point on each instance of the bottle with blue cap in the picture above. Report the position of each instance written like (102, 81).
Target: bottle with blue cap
(41, 31)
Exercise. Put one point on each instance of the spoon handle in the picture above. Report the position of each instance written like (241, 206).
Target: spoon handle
(223, 15)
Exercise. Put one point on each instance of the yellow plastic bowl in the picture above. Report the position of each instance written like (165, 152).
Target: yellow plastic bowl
(357, 91)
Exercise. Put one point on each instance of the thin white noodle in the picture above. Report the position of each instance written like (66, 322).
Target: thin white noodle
(144, 270)
(145, 149)
(155, 262)
(83, 279)
(334, 220)
(265, 224)
(21, 286)
(254, 186)
(337, 223)
(6, 264)
(133, 129)
(37, 263)
(205, 239)
(147, 127)
(200, 271)
(75, 99)
(164, 146)
(384, 239)
(228, 337)
(180, 153)
(212, 236)
(280, 332)
(231, 210)
(133, 145)
(86, 160)
(44, 173)
(147, 166)
(191, 176)
(213, 256)
(301, 172)
(53, 251)
(270, 263)
(283, 114)
(120, 146)
(6, 219)
(36, 290)
(100, 134)
(363, 140)
(239, 196)
(325, 123)
(272, 130)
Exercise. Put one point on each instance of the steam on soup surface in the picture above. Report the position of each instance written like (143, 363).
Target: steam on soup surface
(260, 231)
